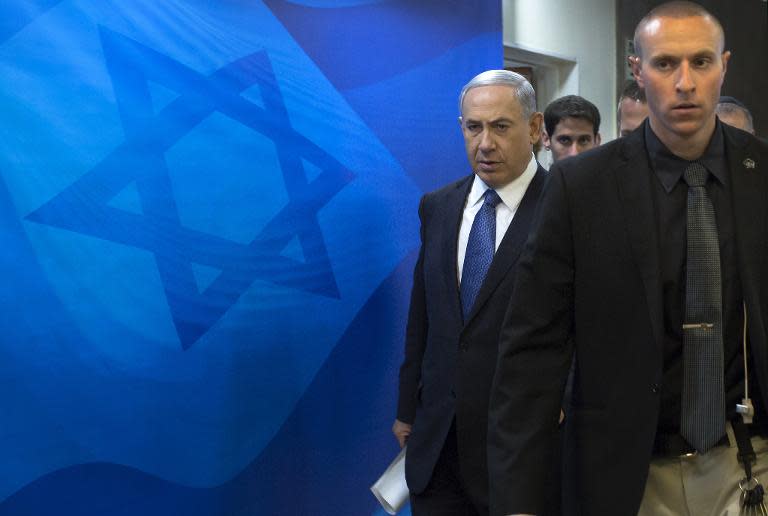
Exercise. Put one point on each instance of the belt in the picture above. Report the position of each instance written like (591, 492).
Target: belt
(674, 445)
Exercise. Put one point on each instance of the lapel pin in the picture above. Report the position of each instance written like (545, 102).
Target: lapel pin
(749, 163)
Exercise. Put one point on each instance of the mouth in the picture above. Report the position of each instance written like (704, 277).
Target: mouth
(685, 107)
(487, 164)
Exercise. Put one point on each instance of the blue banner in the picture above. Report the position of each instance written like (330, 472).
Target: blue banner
(208, 226)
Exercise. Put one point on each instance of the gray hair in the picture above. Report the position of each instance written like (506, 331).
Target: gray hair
(729, 107)
(522, 88)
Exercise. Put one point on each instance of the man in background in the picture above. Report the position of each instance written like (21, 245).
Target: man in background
(733, 112)
(472, 232)
(632, 108)
(572, 126)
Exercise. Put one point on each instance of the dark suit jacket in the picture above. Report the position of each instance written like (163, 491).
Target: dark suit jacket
(449, 365)
(589, 279)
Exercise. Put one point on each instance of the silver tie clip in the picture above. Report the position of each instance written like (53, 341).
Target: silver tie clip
(698, 326)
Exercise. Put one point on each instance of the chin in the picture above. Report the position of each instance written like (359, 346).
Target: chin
(489, 179)
(685, 127)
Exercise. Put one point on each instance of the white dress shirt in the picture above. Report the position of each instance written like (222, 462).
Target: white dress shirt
(511, 196)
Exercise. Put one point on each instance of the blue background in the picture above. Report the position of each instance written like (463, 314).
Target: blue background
(208, 227)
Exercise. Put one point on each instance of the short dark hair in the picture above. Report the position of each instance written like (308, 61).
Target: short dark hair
(571, 106)
(675, 9)
(632, 90)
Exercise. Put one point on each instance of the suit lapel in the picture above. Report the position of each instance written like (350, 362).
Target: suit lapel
(512, 243)
(634, 183)
(453, 215)
(749, 175)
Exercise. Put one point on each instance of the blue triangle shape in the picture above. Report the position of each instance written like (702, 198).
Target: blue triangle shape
(204, 275)
(161, 96)
(253, 94)
(310, 170)
(127, 199)
(294, 251)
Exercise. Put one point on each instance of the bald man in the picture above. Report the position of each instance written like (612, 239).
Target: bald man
(648, 255)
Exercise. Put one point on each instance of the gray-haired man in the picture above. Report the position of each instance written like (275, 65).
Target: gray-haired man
(472, 232)
(733, 112)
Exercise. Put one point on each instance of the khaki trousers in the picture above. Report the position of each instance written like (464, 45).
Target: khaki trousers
(701, 485)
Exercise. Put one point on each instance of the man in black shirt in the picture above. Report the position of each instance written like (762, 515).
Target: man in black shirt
(648, 255)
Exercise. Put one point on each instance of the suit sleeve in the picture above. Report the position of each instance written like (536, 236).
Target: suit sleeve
(535, 354)
(415, 335)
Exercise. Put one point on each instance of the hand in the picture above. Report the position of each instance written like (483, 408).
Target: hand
(402, 431)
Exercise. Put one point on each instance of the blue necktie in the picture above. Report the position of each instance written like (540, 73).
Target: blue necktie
(480, 248)
(702, 420)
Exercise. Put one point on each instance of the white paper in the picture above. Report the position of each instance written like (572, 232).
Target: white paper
(390, 489)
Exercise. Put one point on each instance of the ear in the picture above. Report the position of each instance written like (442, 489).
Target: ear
(535, 127)
(597, 139)
(635, 65)
(461, 122)
(725, 57)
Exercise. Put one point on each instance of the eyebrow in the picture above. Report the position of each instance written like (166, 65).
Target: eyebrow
(677, 57)
(494, 121)
(705, 53)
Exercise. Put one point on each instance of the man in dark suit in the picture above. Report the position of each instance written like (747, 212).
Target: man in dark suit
(628, 267)
(472, 232)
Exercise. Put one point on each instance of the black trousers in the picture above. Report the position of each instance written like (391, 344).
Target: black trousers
(445, 494)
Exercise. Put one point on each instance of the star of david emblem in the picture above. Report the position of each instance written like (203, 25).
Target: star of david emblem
(83, 206)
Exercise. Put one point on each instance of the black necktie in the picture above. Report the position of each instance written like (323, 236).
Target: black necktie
(480, 248)
(702, 421)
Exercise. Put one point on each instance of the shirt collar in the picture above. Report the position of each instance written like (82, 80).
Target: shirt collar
(512, 193)
(670, 168)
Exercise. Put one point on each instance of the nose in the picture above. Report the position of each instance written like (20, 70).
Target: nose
(685, 79)
(486, 141)
(573, 150)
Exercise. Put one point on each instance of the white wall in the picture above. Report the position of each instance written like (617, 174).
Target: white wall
(580, 31)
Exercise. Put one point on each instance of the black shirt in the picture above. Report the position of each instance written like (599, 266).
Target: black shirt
(670, 193)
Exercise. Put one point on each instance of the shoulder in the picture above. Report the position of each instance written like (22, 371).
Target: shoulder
(606, 154)
(737, 139)
(449, 189)
(596, 164)
(447, 193)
